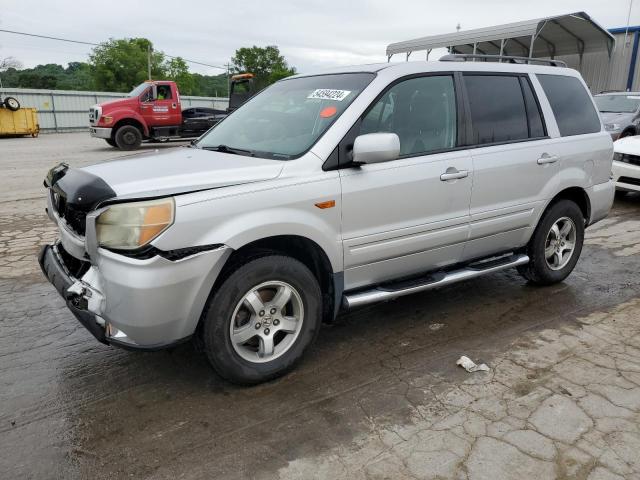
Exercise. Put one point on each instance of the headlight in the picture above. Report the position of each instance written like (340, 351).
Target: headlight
(611, 127)
(128, 226)
(617, 156)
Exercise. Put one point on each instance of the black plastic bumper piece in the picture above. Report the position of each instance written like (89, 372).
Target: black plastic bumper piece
(57, 275)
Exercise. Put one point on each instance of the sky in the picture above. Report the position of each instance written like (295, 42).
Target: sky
(312, 34)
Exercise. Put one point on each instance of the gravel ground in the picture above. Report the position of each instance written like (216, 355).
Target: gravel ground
(379, 396)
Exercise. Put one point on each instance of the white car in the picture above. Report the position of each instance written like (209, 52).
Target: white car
(626, 164)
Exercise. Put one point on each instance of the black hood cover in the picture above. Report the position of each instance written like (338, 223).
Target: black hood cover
(76, 193)
(80, 189)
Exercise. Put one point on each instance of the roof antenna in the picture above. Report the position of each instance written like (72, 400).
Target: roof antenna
(458, 27)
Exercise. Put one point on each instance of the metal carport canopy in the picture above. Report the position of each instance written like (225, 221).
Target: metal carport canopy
(574, 33)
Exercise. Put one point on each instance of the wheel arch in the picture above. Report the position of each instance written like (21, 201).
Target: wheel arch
(303, 249)
(138, 123)
(577, 195)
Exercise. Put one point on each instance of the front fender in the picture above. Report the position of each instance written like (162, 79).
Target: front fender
(125, 114)
(236, 217)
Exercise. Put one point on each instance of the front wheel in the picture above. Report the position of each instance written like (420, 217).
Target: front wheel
(556, 244)
(111, 142)
(262, 319)
(128, 137)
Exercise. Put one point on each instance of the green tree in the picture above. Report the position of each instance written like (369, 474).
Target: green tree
(120, 65)
(266, 63)
(178, 71)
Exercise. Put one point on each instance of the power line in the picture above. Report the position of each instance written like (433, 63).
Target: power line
(96, 44)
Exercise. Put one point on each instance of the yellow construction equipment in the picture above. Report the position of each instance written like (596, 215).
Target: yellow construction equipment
(21, 122)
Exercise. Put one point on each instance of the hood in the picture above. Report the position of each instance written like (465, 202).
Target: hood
(181, 170)
(118, 103)
(628, 145)
(623, 118)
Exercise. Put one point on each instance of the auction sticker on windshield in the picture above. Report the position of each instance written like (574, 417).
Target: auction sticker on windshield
(329, 94)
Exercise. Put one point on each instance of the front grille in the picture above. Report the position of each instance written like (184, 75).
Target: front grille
(629, 180)
(75, 267)
(627, 158)
(75, 218)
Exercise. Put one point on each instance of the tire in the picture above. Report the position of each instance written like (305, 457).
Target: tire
(627, 133)
(621, 194)
(12, 104)
(128, 137)
(111, 142)
(546, 271)
(228, 315)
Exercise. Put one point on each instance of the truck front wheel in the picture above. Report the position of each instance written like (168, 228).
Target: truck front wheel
(128, 137)
(111, 142)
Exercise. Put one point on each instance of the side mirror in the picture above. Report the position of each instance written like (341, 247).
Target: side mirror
(376, 148)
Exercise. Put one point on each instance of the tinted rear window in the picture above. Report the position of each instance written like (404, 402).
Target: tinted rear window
(571, 105)
(498, 112)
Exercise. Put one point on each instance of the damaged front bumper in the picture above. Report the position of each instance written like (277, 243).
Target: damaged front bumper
(71, 290)
(145, 304)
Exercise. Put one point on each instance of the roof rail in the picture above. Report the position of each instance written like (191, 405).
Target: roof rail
(463, 57)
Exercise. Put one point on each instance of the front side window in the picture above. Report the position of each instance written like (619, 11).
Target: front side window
(164, 92)
(286, 119)
(421, 111)
(571, 105)
(498, 112)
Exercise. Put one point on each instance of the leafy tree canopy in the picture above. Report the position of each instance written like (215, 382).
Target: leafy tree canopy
(266, 63)
(118, 65)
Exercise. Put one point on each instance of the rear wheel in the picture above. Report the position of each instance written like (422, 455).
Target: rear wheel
(262, 319)
(12, 104)
(556, 244)
(128, 137)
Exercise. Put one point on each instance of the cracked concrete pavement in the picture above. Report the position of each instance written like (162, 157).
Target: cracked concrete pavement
(378, 397)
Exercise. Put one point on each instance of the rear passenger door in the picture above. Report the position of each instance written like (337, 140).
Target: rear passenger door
(514, 161)
(410, 214)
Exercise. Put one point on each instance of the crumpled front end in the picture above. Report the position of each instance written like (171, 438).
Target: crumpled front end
(144, 301)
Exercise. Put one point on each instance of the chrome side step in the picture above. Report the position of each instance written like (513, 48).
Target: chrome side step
(438, 279)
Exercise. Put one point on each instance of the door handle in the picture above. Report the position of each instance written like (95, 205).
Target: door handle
(546, 158)
(453, 173)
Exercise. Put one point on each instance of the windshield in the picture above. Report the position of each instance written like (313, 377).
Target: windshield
(286, 119)
(138, 90)
(617, 103)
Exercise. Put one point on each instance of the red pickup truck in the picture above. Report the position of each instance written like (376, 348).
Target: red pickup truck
(152, 111)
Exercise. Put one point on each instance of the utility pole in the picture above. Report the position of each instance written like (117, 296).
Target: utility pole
(149, 60)
(228, 65)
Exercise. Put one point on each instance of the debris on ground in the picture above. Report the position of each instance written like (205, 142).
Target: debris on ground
(470, 366)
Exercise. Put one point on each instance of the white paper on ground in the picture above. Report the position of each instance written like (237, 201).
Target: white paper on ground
(470, 366)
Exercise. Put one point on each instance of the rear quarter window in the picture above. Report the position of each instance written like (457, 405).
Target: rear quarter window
(571, 104)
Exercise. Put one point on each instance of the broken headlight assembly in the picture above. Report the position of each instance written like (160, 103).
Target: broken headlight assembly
(127, 226)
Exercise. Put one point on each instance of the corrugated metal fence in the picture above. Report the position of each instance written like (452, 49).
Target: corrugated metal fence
(67, 110)
(602, 72)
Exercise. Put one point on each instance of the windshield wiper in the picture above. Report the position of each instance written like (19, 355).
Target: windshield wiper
(232, 150)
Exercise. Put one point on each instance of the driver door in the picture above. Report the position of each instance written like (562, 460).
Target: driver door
(159, 108)
(408, 215)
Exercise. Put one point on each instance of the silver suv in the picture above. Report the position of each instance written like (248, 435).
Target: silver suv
(327, 192)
